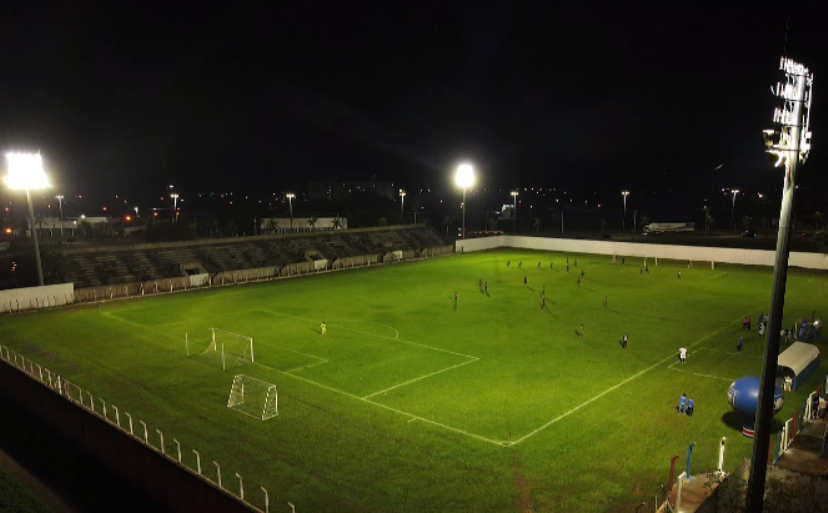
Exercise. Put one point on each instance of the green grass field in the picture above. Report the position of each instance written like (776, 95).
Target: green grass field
(414, 403)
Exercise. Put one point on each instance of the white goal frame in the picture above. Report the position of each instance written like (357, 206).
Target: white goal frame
(617, 256)
(214, 346)
(270, 406)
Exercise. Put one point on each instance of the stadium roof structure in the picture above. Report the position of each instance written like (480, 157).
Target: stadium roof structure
(802, 359)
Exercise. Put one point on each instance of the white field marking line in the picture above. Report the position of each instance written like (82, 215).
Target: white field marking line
(379, 336)
(712, 277)
(412, 420)
(671, 367)
(307, 366)
(419, 378)
(413, 417)
(374, 323)
(605, 392)
(714, 377)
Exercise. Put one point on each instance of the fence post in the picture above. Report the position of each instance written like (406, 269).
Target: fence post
(198, 461)
(104, 406)
(241, 486)
(146, 434)
(178, 450)
(218, 473)
(292, 507)
(678, 491)
(130, 423)
(721, 456)
(672, 473)
(160, 434)
(91, 399)
(267, 500)
(117, 416)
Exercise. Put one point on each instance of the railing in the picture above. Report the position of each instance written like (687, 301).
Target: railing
(112, 415)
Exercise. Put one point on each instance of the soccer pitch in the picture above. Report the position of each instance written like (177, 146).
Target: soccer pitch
(415, 402)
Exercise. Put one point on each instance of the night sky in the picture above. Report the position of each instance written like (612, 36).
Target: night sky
(132, 96)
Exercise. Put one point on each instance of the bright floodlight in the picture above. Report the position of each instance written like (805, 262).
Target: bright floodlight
(25, 171)
(465, 175)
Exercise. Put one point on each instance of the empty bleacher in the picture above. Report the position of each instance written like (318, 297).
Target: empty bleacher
(147, 262)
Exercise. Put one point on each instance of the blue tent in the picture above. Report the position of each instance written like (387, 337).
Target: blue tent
(798, 363)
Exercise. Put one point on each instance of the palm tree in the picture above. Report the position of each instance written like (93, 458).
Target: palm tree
(85, 228)
(645, 220)
(213, 226)
(383, 221)
(194, 227)
(818, 218)
(537, 224)
(272, 225)
(711, 222)
(337, 222)
(312, 222)
(447, 224)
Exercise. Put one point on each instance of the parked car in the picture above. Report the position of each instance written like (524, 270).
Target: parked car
(748, 233)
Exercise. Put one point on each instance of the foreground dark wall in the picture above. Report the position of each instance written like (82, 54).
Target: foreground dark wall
(156, 478)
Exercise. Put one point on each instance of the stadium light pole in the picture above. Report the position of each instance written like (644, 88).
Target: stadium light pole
(791, 143)
(624, 221)
(514, 212)
(60, 202)
(465, 179)
(290, 197)
(733, 211)
(174, 196)
(402, 205)
(26, 173)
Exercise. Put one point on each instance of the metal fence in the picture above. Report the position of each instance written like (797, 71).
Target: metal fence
(139, 430)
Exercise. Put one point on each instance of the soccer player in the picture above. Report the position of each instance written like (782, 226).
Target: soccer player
(508, 263)
(690, 405)
(605, 301)
(624, 341)
(486, 287)
(576, 262)
(455, 298)
(324, 328)
(582, 273)
(567, 267)
(646, 268)
(543, 291)
(581, 332)
(520, 265)
(679, 275)
(641, 271)
(543, 304)
(623, 261)
(683, 354)
(539, 265)
(579, 281)
(682, 403)
(739, 344)
(525, 281)
(551, 265)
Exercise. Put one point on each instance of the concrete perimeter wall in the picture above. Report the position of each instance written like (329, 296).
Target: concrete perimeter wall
(156, 476)
(31, 298)
(600, 247)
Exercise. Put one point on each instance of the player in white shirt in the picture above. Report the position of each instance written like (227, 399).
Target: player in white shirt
(683, 355)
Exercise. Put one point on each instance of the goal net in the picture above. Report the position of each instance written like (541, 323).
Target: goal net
(228, 348)
(634, 260)
(253, 397)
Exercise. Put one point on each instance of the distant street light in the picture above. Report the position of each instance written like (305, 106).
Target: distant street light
(60, 201)
(26, 173)
(174, 196)
(402, 205)
(733, 211)
(514, 211)
(136, 211)
(624, 221)
(290, 197)
(465, 179)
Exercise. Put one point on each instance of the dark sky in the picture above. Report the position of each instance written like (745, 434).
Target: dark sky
(123, 96)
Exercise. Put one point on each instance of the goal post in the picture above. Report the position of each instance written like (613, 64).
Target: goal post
(253, 397)
(634, 258)
(232, 349)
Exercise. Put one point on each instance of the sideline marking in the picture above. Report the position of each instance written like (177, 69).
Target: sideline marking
(419, 378)
(712, 277)
(714, 377)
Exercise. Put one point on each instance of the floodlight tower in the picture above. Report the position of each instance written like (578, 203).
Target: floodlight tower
(514, 212)
(733, 210)
(402, 205)
(465, 179)
(290, 197)
(791, 143)
(60, 201)
(624, 221)
(174, 196)
(26, 173)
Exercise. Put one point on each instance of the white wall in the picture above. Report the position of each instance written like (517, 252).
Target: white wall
(36, 297)
(599, 247)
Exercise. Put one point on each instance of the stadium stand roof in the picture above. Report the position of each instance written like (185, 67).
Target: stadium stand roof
(802, 359)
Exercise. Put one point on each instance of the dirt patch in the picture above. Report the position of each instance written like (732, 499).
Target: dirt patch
(523, 485)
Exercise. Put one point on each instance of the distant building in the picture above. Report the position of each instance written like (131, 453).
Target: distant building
(300, 224)
(335, 190)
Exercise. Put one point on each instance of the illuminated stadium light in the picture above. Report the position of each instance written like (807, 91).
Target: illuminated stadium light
(26, 173)
(790, 142)
(464, 177)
